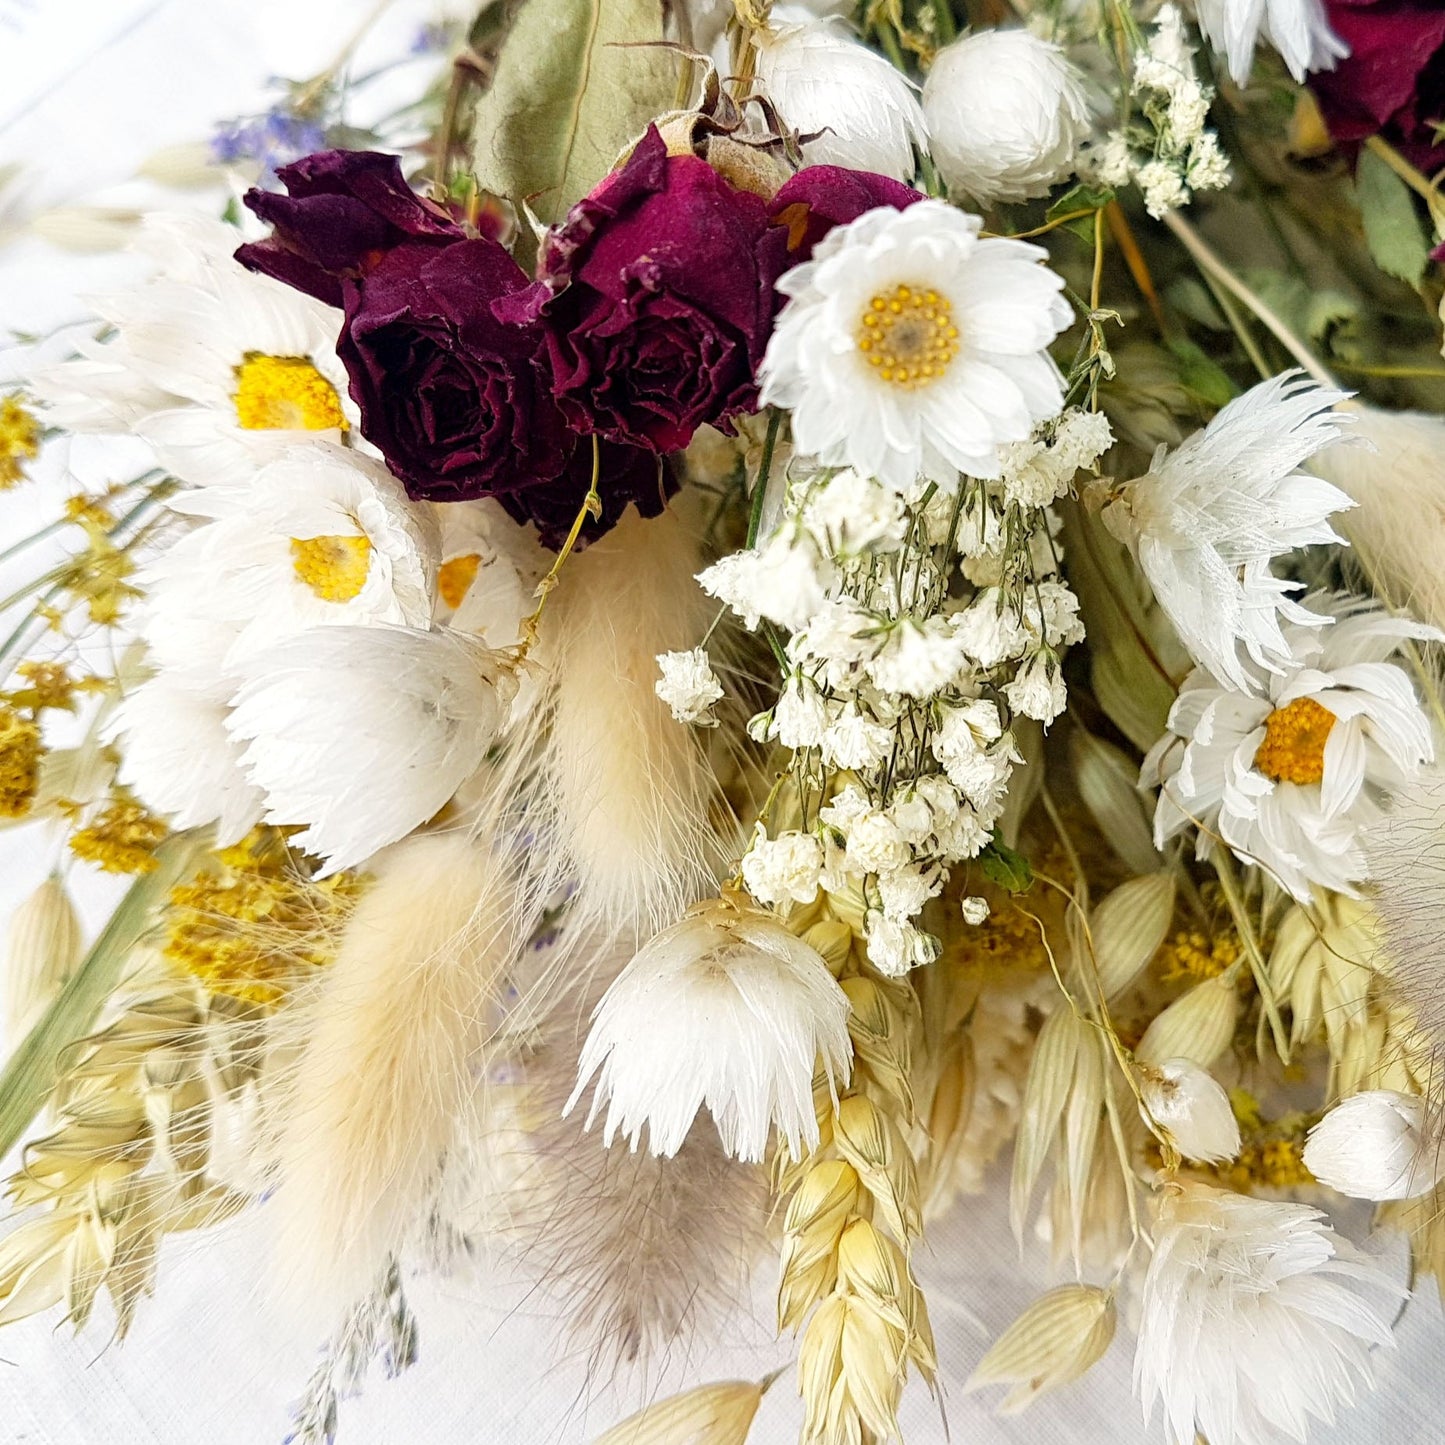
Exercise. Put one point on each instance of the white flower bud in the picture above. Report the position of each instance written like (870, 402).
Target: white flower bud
(862, 112)
(1006, 113)
(1373, 1146)
(1192, 1105)
(44, 949)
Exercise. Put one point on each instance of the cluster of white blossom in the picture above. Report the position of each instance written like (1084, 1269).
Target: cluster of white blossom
(921, 627)
(1167, 152)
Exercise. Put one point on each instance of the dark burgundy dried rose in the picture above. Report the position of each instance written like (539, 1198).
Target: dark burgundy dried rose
(344, 212)
(818, 198)
(659, 300)
(625, 475)
(1392, 83)
(453, 397)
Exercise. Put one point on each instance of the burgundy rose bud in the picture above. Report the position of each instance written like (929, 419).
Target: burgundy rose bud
(659, 300)
(625, 476)
(344, 211)
(1392, 83)
(454, 399)
(818, 198)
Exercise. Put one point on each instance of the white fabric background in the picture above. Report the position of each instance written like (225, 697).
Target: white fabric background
(89, 88)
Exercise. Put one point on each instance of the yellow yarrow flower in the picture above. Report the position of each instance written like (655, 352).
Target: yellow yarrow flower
(253, 921)
(19, 440)
(123, 839)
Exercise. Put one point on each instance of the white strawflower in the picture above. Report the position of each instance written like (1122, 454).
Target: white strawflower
(1208, 518)
(975, 910)
(909, 346)
(1289, 773)
(363, 733)
(783, 868)
(1298, 29)
(688, 686)
(1255, 1317)
(858, 108)
(1006, 112)
(725, 1009)
(1375, 1146)
(178, 758)
(1192, 1105)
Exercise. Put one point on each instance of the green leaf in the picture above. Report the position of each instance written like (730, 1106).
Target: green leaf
(572, 90)
(1128, 644)
(1393, 229)
(1005, 866)
(1082, 197)
(32, 1070)
(1199, 376)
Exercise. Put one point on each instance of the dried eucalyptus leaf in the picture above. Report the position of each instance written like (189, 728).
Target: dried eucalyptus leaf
(1393, 231)
(572, 89)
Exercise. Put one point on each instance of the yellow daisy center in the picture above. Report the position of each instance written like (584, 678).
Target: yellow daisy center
(334, 568)
(908, 335)
(455, 577)
(285, 393)
(1293, 750)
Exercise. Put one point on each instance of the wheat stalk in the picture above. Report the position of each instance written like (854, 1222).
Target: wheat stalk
(853, 1212)
(127, 1160)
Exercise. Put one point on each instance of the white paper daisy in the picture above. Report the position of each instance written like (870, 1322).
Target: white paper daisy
(911, 347)
(1255, 1317)
(217, 368)
(1208, 518)
(1289, 773)
(321, 537)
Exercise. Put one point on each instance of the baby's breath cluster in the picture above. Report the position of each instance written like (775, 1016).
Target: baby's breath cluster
(924, 625)
(1166, 150)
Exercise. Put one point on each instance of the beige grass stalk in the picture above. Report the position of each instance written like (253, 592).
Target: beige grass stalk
(630, 785)
(388, 1073)
(1395, 471)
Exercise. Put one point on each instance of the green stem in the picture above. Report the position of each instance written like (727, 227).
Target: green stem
(765, 467)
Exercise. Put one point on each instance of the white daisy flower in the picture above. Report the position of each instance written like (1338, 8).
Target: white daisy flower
(1255, 1317)
(218, 368)
(909, 346)
(1006, 112)
(1298, 29)
(486, 582)
(725, 1009)
(363, 733)
(1288, 773)
(856, 106)
(1207, 519)
(320, 537)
